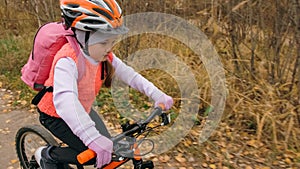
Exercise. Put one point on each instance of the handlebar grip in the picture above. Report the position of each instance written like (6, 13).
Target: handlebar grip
(85, 156)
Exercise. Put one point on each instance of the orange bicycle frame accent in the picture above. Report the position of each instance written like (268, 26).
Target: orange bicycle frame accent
(89, 154)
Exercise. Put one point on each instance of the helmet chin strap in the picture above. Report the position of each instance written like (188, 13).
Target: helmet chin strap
(86, 42)
(103, 69)
(82, 38)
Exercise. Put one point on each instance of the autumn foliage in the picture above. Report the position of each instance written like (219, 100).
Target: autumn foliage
(259, 46)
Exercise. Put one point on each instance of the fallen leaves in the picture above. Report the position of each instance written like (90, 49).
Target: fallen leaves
(164, 158)
(226, 149)
(5, 131)
(11, 100)
(13, 161)
(212, 166)
(180, 158)
(254, 143)
(6, 99)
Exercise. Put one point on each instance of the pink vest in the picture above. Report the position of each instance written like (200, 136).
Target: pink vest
(88, 85)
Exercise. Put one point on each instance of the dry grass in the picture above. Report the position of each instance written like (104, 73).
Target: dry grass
(259, 54)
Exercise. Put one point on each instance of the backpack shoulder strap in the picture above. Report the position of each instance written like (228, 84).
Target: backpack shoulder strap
(70, 36)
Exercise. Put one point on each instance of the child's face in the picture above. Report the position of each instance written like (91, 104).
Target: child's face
(100, 51)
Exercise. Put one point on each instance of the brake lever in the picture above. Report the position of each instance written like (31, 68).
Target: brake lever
(166, 119)
(121, 155)
(122, 144)
(123, 148)
(116, 157)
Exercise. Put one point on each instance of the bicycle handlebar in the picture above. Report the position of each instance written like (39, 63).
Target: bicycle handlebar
(89, 154)
(157, 112)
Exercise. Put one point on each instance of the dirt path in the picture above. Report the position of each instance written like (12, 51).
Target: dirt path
(10, 122)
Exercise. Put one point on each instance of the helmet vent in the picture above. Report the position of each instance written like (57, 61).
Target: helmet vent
(91, 21)
(109, 7)
(103, 13)
(73, 5)
(71, 13)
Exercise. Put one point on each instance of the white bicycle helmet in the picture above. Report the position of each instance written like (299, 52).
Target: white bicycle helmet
(93, 15)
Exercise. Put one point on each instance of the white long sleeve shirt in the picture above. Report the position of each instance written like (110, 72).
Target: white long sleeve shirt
(68, 106)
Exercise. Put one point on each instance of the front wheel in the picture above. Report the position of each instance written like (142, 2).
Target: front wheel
(28, 139)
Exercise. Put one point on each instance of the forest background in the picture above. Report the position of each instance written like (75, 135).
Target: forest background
(258, 42)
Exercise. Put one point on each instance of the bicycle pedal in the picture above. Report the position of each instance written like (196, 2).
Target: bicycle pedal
(33, 163)
(148, 164)
(145, 165)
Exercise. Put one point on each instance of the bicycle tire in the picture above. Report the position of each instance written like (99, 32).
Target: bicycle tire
(20, 139)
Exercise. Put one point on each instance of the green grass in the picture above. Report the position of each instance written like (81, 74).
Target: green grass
(14, 52)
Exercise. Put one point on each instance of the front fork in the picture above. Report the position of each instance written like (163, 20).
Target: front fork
(137, 160)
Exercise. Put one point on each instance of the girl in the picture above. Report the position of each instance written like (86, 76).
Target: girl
(76, 79)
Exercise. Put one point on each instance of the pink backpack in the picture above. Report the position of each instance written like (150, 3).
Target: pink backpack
(47, 42)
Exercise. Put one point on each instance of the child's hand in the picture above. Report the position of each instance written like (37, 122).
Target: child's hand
(166, 100)
(103, 147)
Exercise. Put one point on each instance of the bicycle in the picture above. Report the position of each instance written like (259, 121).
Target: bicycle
(126, 145)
